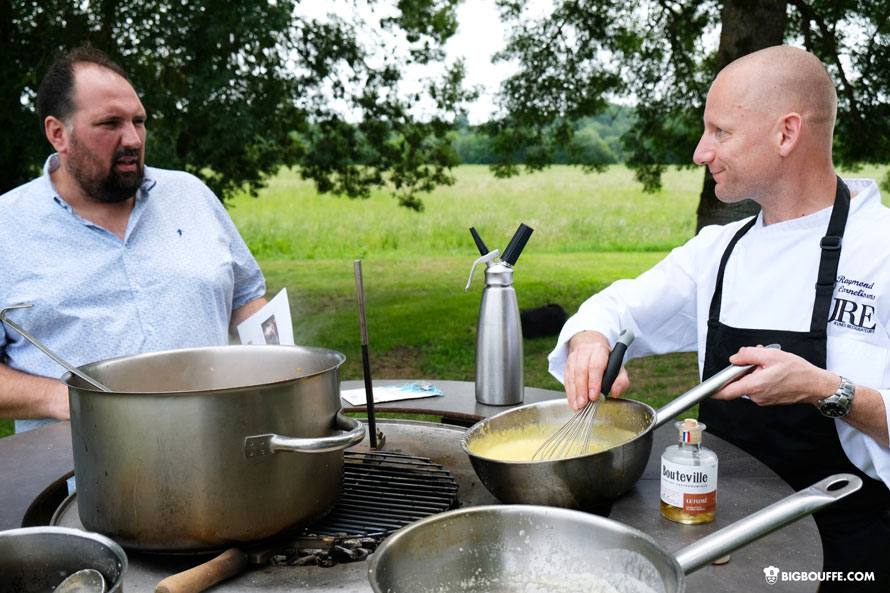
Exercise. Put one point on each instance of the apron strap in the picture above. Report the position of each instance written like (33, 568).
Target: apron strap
(828, 262)
(831, 255)
(717, 299)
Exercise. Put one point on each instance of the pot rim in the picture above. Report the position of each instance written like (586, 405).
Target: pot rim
(74, 382)
(551, 403)
(105, 541)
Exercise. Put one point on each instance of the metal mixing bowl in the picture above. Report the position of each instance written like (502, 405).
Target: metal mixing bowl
(37, 559)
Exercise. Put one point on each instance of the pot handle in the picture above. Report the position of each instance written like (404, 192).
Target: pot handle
(765, 521)
(703, 391)
(267, 444)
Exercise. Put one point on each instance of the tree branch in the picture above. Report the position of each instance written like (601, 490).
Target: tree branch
(808, 13)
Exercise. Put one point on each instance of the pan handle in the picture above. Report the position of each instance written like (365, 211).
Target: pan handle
(229, 564)
(268, 444)
(765, 521)
(701, 392)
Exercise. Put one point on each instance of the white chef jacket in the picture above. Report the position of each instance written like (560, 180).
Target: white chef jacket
(769, 283)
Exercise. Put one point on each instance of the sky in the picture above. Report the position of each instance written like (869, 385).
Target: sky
(479, 36)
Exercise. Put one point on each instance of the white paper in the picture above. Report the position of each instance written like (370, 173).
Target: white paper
(269, 325)
(392, 393)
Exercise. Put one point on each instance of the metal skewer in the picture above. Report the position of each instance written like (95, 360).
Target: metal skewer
(573, 438)
(366, 361)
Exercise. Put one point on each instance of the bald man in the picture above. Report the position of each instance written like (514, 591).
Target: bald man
(809, 273)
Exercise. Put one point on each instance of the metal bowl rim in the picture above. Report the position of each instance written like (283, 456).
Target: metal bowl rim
(112, 545)
(540, 512)
(549, 403)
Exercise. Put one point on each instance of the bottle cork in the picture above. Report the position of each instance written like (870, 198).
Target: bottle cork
(690, 431)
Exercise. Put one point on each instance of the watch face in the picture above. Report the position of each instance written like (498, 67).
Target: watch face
(833, 410)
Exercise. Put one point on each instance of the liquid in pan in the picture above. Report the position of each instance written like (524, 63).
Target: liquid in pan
(519, 444)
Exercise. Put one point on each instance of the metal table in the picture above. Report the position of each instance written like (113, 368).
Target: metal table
(31, 462)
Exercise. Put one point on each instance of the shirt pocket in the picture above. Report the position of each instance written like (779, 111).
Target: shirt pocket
(861, 362)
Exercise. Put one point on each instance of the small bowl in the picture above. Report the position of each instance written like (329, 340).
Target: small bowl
(37, 559)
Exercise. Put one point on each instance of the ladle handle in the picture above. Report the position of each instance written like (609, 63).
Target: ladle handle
(765, 521)
(46, 350)
(702, 391)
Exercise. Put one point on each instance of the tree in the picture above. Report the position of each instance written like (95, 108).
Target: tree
(234, 90)
(582, 52)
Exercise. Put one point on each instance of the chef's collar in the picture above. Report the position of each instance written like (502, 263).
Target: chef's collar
(862, 193)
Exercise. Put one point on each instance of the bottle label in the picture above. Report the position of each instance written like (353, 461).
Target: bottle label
(692, 488)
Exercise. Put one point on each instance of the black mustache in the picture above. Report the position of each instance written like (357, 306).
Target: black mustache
(126, 152)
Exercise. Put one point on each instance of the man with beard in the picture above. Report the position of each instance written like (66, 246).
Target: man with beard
(117, 258)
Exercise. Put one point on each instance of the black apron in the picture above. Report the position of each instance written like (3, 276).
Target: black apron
(796, 441)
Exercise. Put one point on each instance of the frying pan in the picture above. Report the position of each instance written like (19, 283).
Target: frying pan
(583, 481)
(531, 549)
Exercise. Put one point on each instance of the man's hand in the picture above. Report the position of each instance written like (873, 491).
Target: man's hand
(585, 365)
(784, 378)
(780, 378)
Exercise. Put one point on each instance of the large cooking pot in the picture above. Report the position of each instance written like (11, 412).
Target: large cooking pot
(583, 481)
(38, 559)
(202, 448)
(531, 549)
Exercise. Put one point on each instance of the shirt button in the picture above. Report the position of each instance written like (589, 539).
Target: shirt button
(149, 329)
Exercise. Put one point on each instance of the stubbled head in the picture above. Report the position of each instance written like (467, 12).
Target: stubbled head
(783, 79)
(766, 112)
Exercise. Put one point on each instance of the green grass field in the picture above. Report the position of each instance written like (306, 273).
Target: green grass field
(571, 213)
(589, 231)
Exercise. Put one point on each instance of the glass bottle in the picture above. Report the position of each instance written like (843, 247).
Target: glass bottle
(689, 477)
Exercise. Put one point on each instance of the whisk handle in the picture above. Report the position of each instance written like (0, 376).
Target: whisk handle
(616, 357)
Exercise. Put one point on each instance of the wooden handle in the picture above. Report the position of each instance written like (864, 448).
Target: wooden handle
(230, 563)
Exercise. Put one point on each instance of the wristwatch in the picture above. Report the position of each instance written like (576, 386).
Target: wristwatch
(839, 404)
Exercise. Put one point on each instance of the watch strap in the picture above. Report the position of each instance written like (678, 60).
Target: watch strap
(840, 402)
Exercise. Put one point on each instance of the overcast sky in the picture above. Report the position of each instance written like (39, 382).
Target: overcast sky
(480, 34)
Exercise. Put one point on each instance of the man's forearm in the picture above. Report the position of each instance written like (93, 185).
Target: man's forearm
(868, 414)
(245, 311)
(24, 396)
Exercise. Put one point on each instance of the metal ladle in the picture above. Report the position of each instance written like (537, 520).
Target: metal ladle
(49, 353)
(87, 580)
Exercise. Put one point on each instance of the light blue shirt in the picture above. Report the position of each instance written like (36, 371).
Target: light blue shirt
(171, 283)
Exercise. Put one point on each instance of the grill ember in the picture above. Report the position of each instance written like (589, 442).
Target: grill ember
(382, 492)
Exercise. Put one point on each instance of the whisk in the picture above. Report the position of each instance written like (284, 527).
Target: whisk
(573, 438)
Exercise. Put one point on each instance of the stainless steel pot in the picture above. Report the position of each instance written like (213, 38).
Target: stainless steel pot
(207, 447)
(583, 481)
(38, 559)
(528, 549)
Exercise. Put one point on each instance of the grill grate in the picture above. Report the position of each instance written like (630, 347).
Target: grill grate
(385, 491)
(381, 493)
